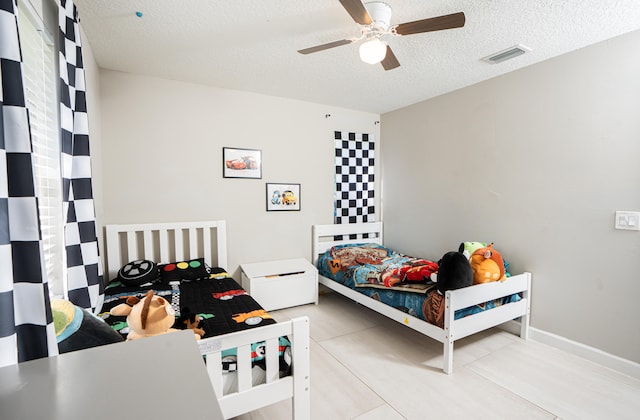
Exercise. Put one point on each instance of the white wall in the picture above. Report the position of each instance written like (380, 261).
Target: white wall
(536, 161)
(161, 157)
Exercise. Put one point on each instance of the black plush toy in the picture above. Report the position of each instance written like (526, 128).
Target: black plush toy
(454, 272)
(190, 320)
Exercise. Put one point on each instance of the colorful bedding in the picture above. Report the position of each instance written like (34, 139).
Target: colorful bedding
(221, 303)
(371, 265)
(392, 278)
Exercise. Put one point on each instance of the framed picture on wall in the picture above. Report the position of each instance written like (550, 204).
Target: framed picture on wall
(241, 163)
(283, 197)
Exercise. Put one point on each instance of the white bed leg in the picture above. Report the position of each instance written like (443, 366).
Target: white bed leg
(447, 365)
(301, 366)
(524, 319)
(448, 357)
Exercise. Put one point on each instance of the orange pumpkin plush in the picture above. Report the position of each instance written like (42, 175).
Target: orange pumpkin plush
(487, 265)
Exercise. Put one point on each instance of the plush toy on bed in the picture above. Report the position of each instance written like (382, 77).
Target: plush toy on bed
(454, 272)
(147, 317)
(468, 248)
(78, 329)
(189, 320)
(487, 265)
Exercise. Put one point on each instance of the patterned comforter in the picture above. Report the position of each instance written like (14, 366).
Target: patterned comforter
(371, 265)
(392, 278)
(221, 303)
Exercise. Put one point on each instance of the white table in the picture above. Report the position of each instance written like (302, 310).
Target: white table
(281, 284)
(161, 377)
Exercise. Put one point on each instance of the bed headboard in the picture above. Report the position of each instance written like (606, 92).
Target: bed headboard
(166, 242)
(324, 236)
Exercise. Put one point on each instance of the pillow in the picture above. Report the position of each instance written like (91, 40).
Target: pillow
(78, 329)
(139, 272)
(183, 270)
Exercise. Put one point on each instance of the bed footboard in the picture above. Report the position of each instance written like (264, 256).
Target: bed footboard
(248, 397)
(456, 329)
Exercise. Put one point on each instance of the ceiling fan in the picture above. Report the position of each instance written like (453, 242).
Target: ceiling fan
(375, 18)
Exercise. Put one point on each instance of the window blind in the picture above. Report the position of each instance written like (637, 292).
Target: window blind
(40, 77)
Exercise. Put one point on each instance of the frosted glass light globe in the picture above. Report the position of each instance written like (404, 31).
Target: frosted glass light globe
(373, 51)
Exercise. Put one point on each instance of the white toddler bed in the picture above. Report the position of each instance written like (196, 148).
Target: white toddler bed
(166, 242)
(324, 238)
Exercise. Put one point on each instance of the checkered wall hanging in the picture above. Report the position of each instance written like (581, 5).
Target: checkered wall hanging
(84, 271)
(26, 324)
(355, 186)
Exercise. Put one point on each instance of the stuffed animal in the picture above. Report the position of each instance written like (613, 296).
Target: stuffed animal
(468, 248)
(413, 271)
(487, 265)
(78, 329)
(147, 317)
(454, 272)
(188, 320)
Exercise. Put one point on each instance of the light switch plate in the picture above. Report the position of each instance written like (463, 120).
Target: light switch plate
(627, 220)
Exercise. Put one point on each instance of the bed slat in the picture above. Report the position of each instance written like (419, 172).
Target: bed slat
(166, 242)
(214, 369)
(244, 367)
(487, 319)
(272, 360)
(469, 296)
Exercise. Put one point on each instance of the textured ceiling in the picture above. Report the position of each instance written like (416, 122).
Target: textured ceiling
(252, 45)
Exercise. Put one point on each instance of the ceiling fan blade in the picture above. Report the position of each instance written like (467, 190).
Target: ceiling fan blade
(357, 11)
(454, 20)
(325, 46)
(390, 61)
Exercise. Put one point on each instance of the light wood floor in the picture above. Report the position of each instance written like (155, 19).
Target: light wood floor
(365, 367)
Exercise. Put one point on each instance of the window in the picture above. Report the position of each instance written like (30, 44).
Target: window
(40, 78)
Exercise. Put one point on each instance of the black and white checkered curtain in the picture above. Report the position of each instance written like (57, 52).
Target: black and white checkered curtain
(354, 165)
(26, 324)
(84, 270)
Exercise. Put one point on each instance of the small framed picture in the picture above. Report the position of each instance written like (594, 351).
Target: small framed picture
(283, 197)
(241, 163)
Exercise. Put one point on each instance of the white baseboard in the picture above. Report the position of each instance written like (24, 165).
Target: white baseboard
(592, 354)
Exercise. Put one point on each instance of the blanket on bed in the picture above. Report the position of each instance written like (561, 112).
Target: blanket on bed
(358, 266)
(372, 265)
(222, 304)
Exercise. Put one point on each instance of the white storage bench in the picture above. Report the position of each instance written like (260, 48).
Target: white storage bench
(281, 284)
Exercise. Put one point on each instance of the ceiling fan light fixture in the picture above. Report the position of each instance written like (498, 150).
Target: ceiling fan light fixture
(373, 51)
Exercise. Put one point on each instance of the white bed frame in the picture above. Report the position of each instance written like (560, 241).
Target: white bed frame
(166, 242)
(323, 239)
